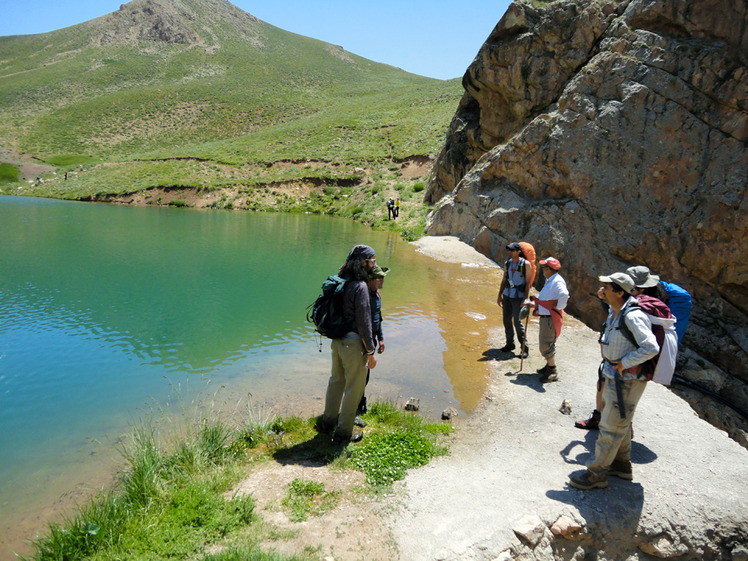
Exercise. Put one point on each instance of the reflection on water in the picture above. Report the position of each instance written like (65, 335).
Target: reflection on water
(107, 313)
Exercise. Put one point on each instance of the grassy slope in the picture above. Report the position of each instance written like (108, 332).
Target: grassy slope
(247, 93)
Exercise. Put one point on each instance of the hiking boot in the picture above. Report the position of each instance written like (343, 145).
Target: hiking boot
(342, 439)
(551, 375)
(322, 427)
(588, 480)
(593, 423)
(524, 353)
(621, 469)
(506, 348)
(543, 371)
(359, 422)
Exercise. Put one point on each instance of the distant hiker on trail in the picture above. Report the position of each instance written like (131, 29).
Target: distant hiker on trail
(354, 352)
(397, 207)
(375, 283)
(647, 284)
(623, 385)
(390, 209)
(513, 291)
(549, 304)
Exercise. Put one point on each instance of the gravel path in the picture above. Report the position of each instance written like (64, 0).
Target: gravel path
(502, 493)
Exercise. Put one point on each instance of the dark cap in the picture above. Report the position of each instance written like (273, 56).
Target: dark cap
(361, 252)
(514, 246)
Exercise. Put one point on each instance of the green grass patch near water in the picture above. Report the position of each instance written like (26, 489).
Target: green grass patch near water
(9, 173)
(176, 499)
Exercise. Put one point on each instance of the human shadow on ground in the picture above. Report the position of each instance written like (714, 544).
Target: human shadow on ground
(615, 510)
(497, 354)
(528, 379)
(610, 513)
(584, 450)
(315, 452)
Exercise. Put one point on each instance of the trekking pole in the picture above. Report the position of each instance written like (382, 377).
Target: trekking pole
(524, 342)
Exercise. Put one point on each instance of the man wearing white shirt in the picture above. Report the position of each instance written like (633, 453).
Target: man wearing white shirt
(549, 305)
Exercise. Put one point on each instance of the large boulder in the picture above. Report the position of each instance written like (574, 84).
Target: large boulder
(609, 135)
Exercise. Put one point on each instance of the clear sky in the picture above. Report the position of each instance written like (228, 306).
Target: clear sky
(435, 38)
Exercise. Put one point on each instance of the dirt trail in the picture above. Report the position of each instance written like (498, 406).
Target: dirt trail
(507, 472)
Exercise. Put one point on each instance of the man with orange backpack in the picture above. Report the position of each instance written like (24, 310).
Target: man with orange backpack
(513, 291)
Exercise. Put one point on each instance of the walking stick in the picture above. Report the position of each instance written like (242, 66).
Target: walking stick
(524, 341)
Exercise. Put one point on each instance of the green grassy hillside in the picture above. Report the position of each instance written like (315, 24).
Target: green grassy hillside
(204, 86)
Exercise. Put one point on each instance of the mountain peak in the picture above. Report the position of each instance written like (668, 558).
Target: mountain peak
(180, 22)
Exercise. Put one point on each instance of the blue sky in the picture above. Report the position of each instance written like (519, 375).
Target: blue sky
(433, 38)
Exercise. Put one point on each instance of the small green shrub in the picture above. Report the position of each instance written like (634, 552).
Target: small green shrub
(305, 498)
(179, 203)
(385, 458)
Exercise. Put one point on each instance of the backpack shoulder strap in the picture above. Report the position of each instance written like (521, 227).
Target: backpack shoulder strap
(623, 328)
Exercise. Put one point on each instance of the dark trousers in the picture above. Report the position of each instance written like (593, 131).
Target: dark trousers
(511, 307)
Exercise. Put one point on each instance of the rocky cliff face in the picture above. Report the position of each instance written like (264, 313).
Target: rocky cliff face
(610, 134)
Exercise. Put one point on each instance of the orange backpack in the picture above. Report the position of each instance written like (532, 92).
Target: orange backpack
(528, 252)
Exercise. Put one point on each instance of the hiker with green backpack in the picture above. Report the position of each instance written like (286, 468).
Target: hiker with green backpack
(353, 351)
(624, 384)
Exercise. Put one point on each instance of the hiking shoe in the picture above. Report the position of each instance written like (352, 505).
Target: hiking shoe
(341, 439)
(593, 423)
(621, 469)
(321, 426)
(551, 375)
(588, 480)
(359, 422)
(506, 348)
(524, 353)
(543, 371)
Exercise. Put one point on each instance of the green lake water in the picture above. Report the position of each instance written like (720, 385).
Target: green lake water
(110, 315)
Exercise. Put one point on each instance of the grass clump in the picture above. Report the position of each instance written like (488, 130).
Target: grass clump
(400, 441)
(9, 173)
(309, 498)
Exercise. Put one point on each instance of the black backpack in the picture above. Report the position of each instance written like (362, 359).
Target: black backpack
(326, 312)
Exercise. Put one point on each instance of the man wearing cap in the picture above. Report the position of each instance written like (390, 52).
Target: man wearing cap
(512, 292)
(677, 300)
(375, 283)
(549, 305)
(353, 353)
(623, 386)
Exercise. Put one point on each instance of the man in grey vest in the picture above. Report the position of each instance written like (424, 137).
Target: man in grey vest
(513, 291)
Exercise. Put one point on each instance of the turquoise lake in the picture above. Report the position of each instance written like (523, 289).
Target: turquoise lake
(112, 315)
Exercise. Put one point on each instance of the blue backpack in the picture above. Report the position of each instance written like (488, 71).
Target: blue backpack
(680, 304)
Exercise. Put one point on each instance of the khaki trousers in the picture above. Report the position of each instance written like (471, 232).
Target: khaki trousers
(614, 440)
(346, 385)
